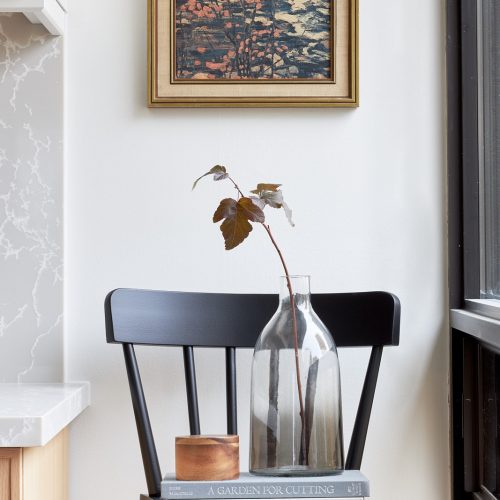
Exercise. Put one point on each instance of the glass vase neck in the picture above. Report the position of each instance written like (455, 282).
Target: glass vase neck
(300, 285)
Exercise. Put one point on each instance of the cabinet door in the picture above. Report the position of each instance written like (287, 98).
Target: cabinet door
(10, 473)
(45, 471)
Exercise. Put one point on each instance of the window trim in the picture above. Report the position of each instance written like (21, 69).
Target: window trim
(483, 328)
(474, 323)
(485, 307)
(454, 154)
(470, 150)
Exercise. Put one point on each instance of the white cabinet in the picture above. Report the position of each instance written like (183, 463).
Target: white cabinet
(50, 13)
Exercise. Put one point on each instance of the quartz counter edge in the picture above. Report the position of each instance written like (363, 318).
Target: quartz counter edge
(32, 414)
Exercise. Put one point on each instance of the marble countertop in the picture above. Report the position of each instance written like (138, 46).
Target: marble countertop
(32, 414)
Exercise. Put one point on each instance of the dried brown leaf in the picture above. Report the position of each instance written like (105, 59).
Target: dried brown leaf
(272, 198)
(265, 187)
(237, 214)
(235, 230)
(219, 173)
(226, 208)
(250, 210)
(270, 194)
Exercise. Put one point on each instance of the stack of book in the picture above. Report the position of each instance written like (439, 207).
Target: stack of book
(350, 484)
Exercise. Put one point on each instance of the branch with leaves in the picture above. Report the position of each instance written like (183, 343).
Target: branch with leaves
(236, 216)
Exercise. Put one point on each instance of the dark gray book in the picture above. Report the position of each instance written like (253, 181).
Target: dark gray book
(348, 484)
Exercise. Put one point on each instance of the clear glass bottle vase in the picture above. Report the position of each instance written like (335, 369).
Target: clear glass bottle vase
(294, 375)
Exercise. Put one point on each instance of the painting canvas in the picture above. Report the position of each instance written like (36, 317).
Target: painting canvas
(253, 53)
(253, 40)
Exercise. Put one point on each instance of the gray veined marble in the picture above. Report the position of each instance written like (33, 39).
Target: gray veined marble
(31, 182)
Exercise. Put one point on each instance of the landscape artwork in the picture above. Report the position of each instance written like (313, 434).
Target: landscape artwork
(245, 40)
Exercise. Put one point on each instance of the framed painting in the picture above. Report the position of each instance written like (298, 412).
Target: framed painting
(253, 53)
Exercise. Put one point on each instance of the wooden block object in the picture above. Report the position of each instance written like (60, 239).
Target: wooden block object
(207, 458)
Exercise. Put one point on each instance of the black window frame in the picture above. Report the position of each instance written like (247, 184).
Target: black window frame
(475, 338)
(463, 152)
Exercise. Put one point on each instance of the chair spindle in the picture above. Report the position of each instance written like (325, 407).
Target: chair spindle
(358, 438)
(232, 416)
(191, 391)
(146, 441)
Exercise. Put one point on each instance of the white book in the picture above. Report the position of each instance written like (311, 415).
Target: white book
(144, 497)
(348, 484)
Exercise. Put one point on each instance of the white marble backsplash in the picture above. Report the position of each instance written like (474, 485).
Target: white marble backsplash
(31, 213)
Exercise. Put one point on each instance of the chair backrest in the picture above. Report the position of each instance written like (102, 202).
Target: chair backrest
(363, 319)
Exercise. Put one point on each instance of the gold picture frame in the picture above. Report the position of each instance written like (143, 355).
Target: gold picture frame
(340, 89)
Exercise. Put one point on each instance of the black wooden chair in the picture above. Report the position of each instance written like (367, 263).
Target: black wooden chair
(365, 319)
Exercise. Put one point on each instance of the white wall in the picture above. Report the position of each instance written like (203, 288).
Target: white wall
(31, 202)
(367, 189)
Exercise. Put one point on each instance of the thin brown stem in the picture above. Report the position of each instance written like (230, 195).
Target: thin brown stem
(304, 454)
(236, 186)
(304, 457)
